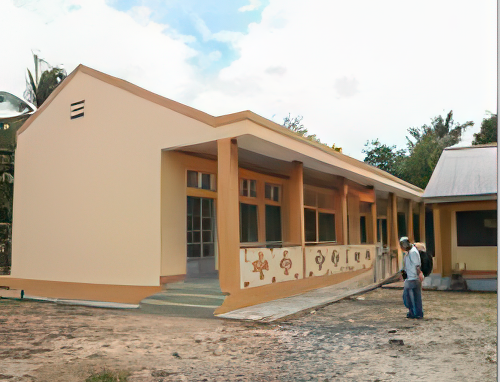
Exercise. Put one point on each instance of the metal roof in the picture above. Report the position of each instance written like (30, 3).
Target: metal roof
(464, 173)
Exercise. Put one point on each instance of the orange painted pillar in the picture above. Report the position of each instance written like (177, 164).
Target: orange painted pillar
(374, 221)
(345, 228)
(394, 233)
(422, 222)
(296, 210)
(228, 216)
(296, 207)
(438, 248)
(411, 234)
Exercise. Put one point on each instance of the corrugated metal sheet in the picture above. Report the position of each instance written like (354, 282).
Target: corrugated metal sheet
(464, 171)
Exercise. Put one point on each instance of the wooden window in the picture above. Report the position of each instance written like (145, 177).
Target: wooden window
(202, 180)
(272, 192)
(248, 187)
(319, 215)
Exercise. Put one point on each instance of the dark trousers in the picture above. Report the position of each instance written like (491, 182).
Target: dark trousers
(412, 298)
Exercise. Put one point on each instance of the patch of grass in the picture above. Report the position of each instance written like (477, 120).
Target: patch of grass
(108, 376)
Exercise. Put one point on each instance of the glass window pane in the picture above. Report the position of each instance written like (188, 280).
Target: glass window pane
(273, 223)
(253, 188)
(402, 224)
(416, 227)
(326, 229)
(205, 181)
(196, 237)
(276, 193)
(384, 232)
(248, 223)
(267, 193)
(362, 227)
(477, 228)
(310, 224)
(205, 204)
(189, 237)
(194, 250)
(192, 179)
(208, 250)
(244, 187)
(207, 236)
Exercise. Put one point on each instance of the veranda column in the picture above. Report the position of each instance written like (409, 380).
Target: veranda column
(296, 208)
(345, 233)
(228, 219)
(422, 222)
(374, 221)
(438, 249)
(411, 234)
(394, 232)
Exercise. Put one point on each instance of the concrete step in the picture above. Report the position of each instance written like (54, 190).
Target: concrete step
(11, 293)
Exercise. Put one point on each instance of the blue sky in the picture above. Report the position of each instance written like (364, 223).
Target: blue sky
(356, 70)
(201, 19)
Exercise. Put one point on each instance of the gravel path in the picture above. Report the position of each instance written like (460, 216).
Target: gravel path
(366, 338)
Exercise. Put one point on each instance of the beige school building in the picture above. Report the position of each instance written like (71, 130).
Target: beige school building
(119, 190)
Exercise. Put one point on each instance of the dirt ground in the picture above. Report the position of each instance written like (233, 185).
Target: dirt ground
(346, 341)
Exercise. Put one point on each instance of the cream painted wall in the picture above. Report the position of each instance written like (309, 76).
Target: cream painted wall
(326, 260)
(87, 191)
(278, 264)
(476, 258)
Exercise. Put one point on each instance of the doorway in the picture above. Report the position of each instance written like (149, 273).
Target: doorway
(201, 243)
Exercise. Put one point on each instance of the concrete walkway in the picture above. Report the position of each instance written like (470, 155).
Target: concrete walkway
(286, 307)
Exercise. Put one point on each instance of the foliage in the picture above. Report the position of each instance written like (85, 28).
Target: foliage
(295, 124)
(39, 87)
(488, 132)
(108, 376)
(424, 147)
(385, 157)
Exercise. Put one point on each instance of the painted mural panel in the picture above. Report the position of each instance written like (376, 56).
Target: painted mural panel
(262, 266)
(328, 260)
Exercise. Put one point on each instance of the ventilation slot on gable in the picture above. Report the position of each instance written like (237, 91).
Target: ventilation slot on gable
(76, 109)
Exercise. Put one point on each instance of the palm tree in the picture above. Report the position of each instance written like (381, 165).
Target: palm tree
(39, 87)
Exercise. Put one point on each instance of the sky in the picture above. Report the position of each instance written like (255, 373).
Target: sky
(355, 70)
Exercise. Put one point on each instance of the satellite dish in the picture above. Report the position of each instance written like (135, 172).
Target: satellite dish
(12, 106)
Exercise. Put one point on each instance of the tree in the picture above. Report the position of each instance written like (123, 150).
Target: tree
(385, 157)
(295, 124)
(39, 87)
(488, 132)
(424, 147)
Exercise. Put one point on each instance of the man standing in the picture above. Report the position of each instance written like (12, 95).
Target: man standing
(412, 293)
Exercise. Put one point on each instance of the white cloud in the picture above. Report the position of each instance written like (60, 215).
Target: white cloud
(356, 70)
(98, 36)
(361, 70)
(253, 6)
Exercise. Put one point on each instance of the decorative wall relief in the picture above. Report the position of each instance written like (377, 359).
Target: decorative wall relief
(263, 266)
(335, 257)
(260, 265)
(285, 262)
(338, 262)
(320, 259)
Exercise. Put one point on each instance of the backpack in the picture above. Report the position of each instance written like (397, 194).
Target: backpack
(425, 259)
